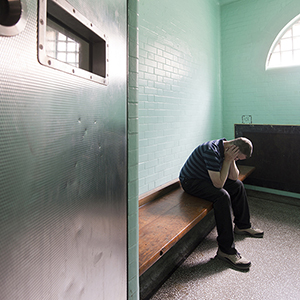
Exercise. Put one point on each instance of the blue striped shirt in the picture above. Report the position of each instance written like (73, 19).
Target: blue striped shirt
(208, 156)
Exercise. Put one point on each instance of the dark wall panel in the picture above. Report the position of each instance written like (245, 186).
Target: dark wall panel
(275, 155)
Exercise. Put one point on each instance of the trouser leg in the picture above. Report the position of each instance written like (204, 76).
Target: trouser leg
(222, 213)
(233, 194)
(239, 203)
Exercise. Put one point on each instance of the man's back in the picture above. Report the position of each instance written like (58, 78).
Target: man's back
(208, 156)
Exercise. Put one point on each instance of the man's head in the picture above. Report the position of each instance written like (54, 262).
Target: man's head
(245, 146)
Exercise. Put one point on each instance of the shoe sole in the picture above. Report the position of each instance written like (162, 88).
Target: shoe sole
(240, 267)
(259, 235)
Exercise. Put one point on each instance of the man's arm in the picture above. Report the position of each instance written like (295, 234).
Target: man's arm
(233, 171)
(218, 178)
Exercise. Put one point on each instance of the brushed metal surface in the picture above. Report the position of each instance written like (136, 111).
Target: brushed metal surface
(63, 206)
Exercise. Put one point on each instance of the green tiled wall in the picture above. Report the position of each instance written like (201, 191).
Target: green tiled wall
(248, 31)
(269, 96)
(132, 128)
(179, 84)
(180, 97)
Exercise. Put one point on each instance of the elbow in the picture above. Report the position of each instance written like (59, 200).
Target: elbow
(234, 176)
(218, 185)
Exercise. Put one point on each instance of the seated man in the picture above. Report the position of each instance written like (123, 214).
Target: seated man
(211, 173)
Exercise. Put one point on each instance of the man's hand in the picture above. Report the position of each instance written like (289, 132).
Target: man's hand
(231, 153)
(229, 168)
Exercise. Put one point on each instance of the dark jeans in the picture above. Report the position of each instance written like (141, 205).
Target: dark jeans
(232, 195)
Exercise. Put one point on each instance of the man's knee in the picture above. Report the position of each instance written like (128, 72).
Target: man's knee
(240, 187)
(232, 185)
(222, 198)
(239, 183)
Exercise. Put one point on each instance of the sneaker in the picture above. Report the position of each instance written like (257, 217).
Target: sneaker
(249, 231)
(235, 260)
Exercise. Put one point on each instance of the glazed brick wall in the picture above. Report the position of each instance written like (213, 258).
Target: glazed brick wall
(179, 84)
(248, 29)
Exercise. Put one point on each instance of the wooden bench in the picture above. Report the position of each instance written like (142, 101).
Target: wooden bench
(166, 215)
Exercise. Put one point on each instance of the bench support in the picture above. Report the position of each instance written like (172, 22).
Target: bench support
(152, 279)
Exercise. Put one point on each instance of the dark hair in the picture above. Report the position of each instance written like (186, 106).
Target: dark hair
(244, 145)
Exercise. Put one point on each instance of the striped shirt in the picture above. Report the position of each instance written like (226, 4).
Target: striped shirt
(208, 156)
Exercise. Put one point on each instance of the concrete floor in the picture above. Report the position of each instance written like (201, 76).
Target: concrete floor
(275, 270)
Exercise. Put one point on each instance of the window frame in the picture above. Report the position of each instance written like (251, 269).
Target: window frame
(64, 14)
(275, 43)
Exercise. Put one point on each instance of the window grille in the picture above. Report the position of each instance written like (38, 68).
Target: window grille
(285, 50)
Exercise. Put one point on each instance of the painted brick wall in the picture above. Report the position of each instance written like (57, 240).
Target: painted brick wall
(132, 116)
(248, 31)
(179, 84)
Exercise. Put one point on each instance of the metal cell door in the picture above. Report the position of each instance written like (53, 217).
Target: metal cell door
(63, 200)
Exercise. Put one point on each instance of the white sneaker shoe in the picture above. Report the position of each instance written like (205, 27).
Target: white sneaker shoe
(235, 260)
(249, 231)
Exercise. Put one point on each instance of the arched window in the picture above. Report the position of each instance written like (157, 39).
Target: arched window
(285, 50)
